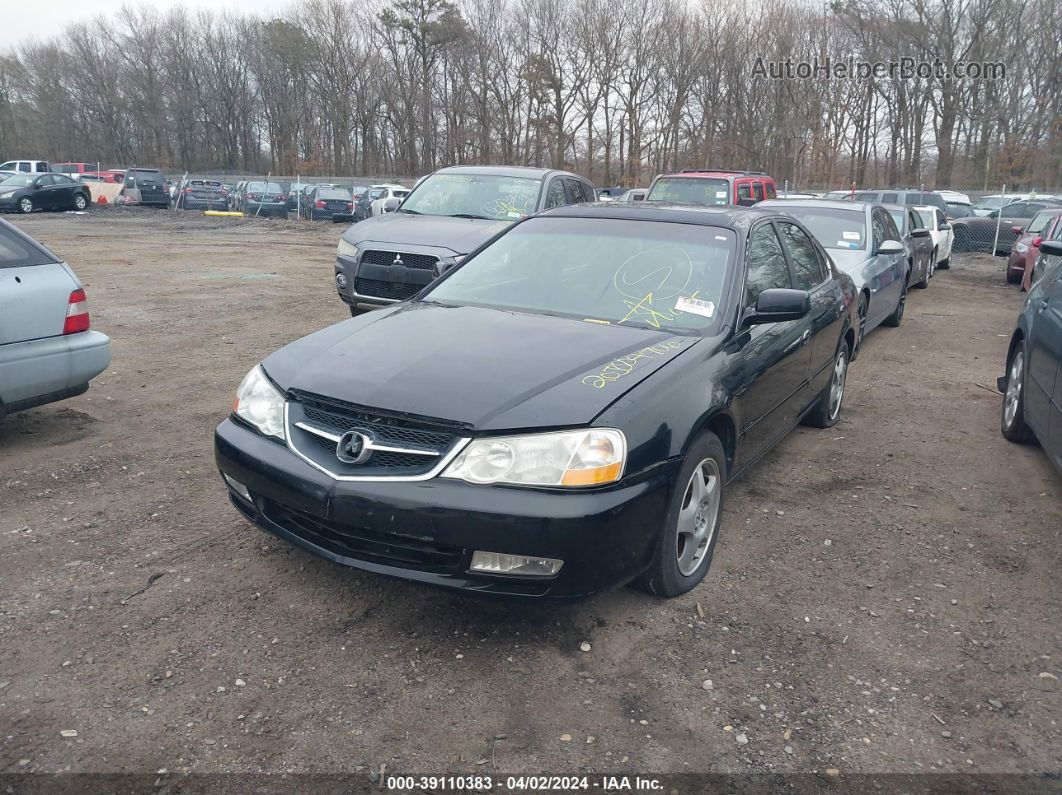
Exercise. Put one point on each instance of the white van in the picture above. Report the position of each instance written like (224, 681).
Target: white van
(27, 166)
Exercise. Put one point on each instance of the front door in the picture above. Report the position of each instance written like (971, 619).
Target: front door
(776, 355)
(1042, 390)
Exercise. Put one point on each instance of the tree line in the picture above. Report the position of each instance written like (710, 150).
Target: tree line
(617, 90)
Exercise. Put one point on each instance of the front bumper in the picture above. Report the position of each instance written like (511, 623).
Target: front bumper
(426, 531)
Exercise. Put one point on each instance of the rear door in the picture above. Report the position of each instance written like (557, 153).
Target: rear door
(34, 290)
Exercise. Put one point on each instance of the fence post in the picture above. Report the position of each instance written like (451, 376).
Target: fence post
(999, 217)
(298, 198)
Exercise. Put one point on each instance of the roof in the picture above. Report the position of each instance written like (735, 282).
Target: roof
(787, 205)
(527, 172)
(727, 216)
(709, 173)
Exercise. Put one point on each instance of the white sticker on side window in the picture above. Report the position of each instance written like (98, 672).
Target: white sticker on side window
(851, 235)
(720, 194)
(695, 306)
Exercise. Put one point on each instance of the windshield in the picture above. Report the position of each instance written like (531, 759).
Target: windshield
(478, 195)
(635, 273)
(959, 210)
(19, 180)
(989, 203)
(837, 229)
(1040, 220)
(690, 190)
(929, 218)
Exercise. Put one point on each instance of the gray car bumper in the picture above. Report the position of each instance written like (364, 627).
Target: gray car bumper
(50, 366)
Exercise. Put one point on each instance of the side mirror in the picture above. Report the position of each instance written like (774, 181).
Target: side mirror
(390, 205)
(891, 247)
(1052, 248)
(778, 305)
(919, 233)
(944, 227)
(1016, 229)
(993, 214)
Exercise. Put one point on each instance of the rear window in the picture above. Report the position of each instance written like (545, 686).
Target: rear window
(834, 228)
(17, 251)
(332, 193)
(691, 190)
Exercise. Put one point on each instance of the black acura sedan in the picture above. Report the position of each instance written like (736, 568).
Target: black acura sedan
(559, 414)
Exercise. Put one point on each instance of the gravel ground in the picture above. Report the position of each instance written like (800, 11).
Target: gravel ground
(883, 598)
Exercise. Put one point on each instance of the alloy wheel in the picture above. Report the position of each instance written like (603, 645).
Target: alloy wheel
(25, 204)
(1014, 383)
(837, 381)
(698, 516)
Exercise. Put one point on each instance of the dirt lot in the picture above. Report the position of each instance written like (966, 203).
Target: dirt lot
(884, 596)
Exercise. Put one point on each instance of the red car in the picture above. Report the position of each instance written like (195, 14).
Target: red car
(1045, 225)
(713, 187)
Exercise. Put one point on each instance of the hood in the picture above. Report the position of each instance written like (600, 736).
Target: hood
(488, 369)
(459, 235)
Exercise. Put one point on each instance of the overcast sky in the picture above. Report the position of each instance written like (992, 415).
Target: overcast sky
(40, 18)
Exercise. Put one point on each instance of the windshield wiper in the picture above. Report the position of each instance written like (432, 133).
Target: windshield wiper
(470, 215)
(409, 212)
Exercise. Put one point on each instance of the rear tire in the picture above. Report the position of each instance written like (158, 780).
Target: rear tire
(896, 318)
(1013, 278)
(1012, 415)
(686, 542)
(827, 410)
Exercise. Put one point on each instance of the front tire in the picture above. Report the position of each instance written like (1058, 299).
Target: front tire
(80, 202)
(1013, 278)
(827, 410)
(944, 264)
(686, 542)
(25, 205)
(1012, 416)
(925, 279)
(896, 318)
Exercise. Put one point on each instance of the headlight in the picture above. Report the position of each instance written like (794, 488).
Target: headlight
(568, 458)
(260, 404)
(347, 249)
(7, 194)
(1021, 248)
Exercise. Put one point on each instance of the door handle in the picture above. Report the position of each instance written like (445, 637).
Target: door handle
(1042, 305)
(805, 336)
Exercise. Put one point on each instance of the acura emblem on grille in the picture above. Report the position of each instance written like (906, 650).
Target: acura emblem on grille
(398, 260)
(354, 447)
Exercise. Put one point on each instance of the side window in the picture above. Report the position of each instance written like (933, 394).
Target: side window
(914, 219)
(757, 191)
(888, 198)
(8, 166)
(46, 180)
(573, 190)
(1021, 210)
(808, 268)
(555, 197)
(941, 220)
(24, 166)
(42, 166)
(766, 264)
(744, 191)
(588, 192)
(883, 228)
(768, 188)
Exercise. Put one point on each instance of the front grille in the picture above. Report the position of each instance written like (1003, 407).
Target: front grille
(420, 262)
(338, 417)
(378, 289)
(387, 549)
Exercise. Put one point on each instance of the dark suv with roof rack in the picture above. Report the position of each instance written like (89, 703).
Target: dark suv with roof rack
(713, 186)
(391, 257)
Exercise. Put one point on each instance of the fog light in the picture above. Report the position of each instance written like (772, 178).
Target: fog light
(499, 563)
(238, 487)
(341, 280)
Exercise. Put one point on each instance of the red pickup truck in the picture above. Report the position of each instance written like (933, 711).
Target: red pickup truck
(77, 170)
